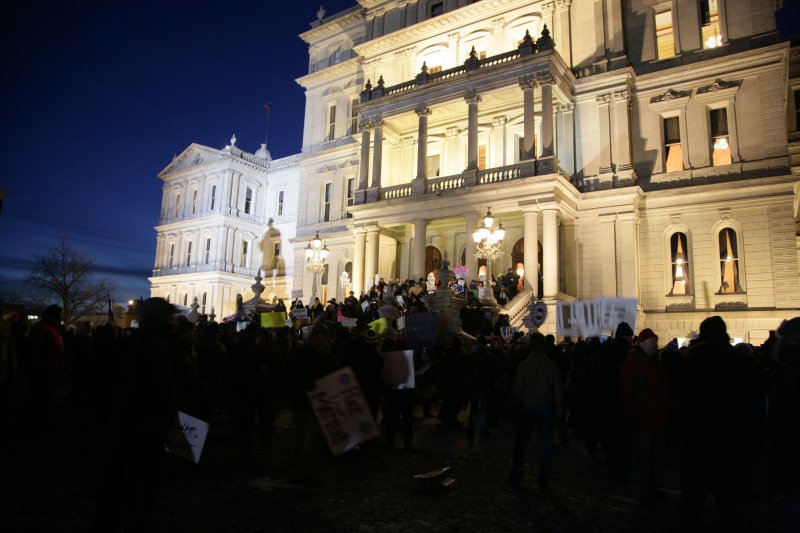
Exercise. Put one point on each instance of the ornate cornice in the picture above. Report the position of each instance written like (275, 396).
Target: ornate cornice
(344, 68)
(335, 25)
(670, 95)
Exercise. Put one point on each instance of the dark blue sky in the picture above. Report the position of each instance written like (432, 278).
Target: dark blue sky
(98, 97)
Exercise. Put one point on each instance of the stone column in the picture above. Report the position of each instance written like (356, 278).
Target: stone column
(608, 257)
(358, 260)
(622, 136)
(422, 143)
(405, 256)
(418, 255)
(471, 220)
(628, 245)
(529, 126)
(546, 82)
(371, 258)
(473, 99)
(562, 33)
(530, 249)
(568, 145)
(604, 135)
(363, 168)
(377, 160)
(550, 251)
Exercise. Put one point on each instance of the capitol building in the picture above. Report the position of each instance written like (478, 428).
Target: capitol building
(645, 149)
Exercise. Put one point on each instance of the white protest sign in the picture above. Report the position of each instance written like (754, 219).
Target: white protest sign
(348, 322)
(187, 438)
(398, 368)
(578, 319)
(616, 310)
(365, 305)
(299, 313)
(297, 293)
(401, 323)
(342, 412)
(508, 333)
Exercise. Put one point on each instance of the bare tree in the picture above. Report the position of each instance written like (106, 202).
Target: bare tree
(66, 273)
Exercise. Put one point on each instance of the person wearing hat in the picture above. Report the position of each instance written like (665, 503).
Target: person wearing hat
(645, 399)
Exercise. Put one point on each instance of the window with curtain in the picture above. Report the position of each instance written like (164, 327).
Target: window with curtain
(248, 200)
(679, 252)
(709, 21)
(673, 149)
(728, 262)
(720, 138)
(665, 38)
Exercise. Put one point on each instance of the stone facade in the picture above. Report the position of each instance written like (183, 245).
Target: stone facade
(639, 149)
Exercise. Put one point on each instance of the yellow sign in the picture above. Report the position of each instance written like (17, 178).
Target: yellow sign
(379, 326)
(273, 320)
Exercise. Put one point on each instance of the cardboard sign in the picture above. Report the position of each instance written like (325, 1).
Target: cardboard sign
(616, 310)
(580, 318)
(422, 329)
(342, 412)
(398, 369)
(273, 320)
(297, 293)
(349, 322)
(299, 313)
(187, 438)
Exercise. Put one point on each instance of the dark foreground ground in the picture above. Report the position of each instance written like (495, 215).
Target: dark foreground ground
(52, 486)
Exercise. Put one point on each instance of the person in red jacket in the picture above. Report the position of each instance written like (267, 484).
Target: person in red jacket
(645, 398)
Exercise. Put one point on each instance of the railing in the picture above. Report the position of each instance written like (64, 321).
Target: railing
(507, 173)
(396, 191)
(517, 306)
(445, 183)
(500, 58)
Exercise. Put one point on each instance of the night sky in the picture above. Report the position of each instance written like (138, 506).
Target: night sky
(99, 96)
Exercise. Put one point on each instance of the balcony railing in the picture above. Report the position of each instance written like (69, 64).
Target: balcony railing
(446, 183)
(396, 191)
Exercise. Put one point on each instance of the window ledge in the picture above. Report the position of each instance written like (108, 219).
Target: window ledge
(680, 302)
(730, 300)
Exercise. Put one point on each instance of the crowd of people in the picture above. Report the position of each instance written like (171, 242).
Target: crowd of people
(627, 399)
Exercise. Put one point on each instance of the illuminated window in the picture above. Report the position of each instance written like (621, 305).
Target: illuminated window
(326, 215)
(435, 9)
(432, 166)
(673, 150)
(728, 262)
(194, 201)
(280, 202)
(680, 265)
(709, 20)
(177, 204)
(330, 128)
(203, 305)
(172, 255)
(720, 139)
(208, 250)
(665, 38)
(243, 255)
(353, 117)
(482, 157)
(213, 196)
(434, 69)
(189, 254)
(248, 200)
(351, 194)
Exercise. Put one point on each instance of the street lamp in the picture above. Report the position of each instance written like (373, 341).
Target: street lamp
(488, 239)
(316, 254)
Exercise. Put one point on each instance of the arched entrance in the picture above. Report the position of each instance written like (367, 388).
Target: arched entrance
(481, 264)
(433, 259)
(518, 262)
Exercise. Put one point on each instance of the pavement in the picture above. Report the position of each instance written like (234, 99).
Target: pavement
(51, 484)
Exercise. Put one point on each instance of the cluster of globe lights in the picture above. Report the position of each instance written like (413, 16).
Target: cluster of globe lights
(316, 254)
(488, 238)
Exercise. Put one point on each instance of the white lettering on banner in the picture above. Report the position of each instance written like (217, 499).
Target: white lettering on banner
(299, 313)
(616, 310)
(590, 318)
(342, 412)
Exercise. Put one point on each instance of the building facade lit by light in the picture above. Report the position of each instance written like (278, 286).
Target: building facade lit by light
(642, 149)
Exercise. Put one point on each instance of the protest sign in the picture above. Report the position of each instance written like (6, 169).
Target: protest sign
(273, 320)
(401, 323)
(398, 368)
(299, 313)
(508, 333)
(580, 318)
(187, 438)
(348, 322)
(422, 329)
(342, 412)
(365, 305)
(297, 293)
(616, 310)
(379, 326)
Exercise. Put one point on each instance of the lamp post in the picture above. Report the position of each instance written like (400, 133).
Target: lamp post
(487, 240)
(316, 254)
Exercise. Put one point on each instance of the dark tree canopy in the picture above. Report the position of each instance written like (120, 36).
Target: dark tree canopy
(66, 274)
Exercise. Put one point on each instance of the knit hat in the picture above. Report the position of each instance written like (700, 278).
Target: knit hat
(645, 334)
(623, 330)
(714, 330)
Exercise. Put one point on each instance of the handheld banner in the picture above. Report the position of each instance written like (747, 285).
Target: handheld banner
(273, 320)
(187, 438)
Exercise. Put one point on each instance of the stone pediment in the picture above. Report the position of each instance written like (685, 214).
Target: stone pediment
(193, 156)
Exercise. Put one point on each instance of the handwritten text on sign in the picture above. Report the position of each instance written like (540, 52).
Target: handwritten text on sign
(188, 437)
(342, 412)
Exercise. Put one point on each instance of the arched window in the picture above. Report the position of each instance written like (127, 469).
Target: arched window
(433, 259)
(729, 261)
(679, 260)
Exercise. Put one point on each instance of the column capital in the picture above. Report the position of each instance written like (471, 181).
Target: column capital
(423, 111)
(366, 125)
(548, 8)
(452, 131)
(379, 123)
(624, 94)
(498, 24)
(408, 141)
(528, 82)
(416, 221)
(545, 77)
(372, 229)
(567, 107)
(359, 231)
(603, 99)
(499, 121)
(472, 97)
(563, 5)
